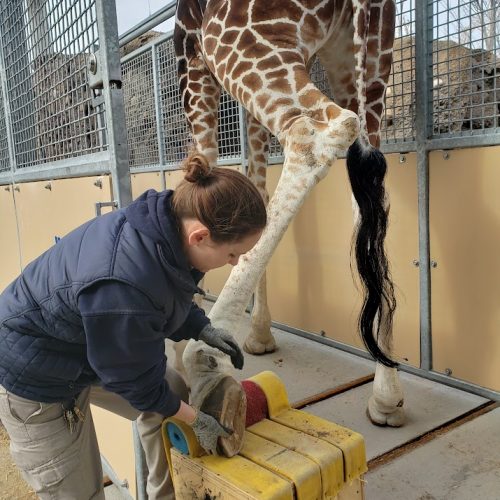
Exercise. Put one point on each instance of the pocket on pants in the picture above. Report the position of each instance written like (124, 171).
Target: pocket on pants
(54, 471)
(39, 420)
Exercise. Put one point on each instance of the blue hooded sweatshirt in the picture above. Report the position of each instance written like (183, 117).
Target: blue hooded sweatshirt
(97, 308)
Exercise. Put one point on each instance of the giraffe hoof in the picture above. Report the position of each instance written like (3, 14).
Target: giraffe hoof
(227, 403)
(253, 346)
(394, 418)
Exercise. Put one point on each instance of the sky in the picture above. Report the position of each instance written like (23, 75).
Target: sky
(132, 12)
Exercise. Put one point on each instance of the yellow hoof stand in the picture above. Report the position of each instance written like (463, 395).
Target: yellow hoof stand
(289, 455)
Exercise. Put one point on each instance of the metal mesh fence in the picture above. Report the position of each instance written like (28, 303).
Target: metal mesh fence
(398, 122)
(45, 45)
(229, 133)
(140, 95)
(4, 145)
(465, 66)
(175, 130)
(140, 110)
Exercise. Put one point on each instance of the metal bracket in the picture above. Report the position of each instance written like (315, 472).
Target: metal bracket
(100, 204)
(94, 75)
(95, 79)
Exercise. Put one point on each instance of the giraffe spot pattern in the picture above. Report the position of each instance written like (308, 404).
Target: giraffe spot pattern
(248, 53)
(311, 30)
(262, 100)
(241, 68)
(252, 81)
(279, 9)
(269, 63)
(229, 37)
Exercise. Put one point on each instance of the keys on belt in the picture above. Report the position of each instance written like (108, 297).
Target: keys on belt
(72, 414)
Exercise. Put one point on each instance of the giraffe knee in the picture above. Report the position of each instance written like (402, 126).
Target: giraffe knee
(323, 140)
(350, 125)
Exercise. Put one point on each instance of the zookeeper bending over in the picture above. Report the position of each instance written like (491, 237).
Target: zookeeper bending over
(86, 323)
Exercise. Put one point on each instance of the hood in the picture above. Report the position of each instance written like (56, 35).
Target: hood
(151, 214)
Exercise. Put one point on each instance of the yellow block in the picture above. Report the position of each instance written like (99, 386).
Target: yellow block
(327, 457)
(303, 472)
(350, 443)
(234, 478)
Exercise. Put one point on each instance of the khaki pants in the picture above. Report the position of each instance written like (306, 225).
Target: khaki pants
(64, 466)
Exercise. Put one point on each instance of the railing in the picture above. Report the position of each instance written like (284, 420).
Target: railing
(53, 122)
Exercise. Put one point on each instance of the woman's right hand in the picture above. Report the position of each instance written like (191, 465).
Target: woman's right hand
(205, 427)
(208, 431)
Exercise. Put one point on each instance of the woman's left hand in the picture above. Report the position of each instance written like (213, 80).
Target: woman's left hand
(225, 342)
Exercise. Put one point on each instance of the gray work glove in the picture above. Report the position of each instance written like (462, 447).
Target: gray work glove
(207, 430)
(224, 341)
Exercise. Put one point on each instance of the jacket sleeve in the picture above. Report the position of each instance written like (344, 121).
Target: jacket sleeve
(126, 345)
(194, 324)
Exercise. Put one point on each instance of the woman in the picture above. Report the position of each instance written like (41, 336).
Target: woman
(86, 323)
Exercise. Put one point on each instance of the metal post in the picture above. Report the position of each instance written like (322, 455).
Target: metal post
(159, 127)
(243, 138)
(109, 54)
(423, 99)
(141, 469)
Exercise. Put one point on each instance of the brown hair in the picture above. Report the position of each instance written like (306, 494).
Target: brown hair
(223, 200)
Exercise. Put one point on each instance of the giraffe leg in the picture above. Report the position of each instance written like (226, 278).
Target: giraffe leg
(200, 93)
(313, 131)
(385, 406)
(260, 339)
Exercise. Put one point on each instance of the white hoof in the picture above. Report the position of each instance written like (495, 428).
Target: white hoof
(254, 346)
(394, 417)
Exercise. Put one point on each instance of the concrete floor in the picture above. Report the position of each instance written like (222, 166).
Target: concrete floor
(458, 464)
(463, 464)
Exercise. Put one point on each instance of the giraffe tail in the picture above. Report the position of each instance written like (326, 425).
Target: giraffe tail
(366, 168)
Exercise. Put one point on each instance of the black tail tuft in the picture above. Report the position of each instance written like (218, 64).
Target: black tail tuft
(366, 167)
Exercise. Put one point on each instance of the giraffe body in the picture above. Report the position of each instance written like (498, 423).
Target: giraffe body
(260, 51)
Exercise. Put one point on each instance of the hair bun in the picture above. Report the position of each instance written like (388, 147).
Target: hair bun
(197, 168)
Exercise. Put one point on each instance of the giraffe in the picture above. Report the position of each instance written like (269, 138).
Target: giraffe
(260, 52)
